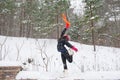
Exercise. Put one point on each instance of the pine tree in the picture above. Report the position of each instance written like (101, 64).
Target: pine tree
(48, 14)
(6, 16)
(91, 17)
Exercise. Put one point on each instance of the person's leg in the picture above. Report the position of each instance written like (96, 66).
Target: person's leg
(64, 61)
(69, 57)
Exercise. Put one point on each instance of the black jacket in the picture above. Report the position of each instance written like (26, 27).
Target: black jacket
(62, 41)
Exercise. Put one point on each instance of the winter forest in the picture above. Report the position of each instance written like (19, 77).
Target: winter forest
(94, 19)
(29, 30)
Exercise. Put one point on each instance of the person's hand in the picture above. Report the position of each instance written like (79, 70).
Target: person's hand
(75, 49)
(67, 25)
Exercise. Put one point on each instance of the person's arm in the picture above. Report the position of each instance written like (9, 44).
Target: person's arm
(68, 44)
(71, 46)
(63, 32)
(66, 26)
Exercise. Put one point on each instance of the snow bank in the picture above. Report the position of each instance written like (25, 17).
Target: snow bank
(46, 60)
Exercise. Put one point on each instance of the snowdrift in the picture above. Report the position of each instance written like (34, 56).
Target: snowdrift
(41, 56)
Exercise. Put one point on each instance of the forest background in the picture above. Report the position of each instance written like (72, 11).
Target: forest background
(98, 25)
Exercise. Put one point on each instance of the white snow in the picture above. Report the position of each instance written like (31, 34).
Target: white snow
(73, 76)
(46, 60)
(114, 18)
(78, 7)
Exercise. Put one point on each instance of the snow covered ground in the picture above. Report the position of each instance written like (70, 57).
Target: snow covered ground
(40, 60)
(104, 75)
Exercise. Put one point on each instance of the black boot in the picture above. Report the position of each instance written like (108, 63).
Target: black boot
(65, 66)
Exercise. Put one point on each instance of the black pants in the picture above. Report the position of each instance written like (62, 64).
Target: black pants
(66, 56)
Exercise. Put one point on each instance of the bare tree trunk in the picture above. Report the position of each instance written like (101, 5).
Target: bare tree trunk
(92, 28)
(1, 47)
(58, 33)
(1, 23)
(22, 15)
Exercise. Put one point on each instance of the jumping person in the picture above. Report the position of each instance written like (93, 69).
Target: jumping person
(62, 41)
